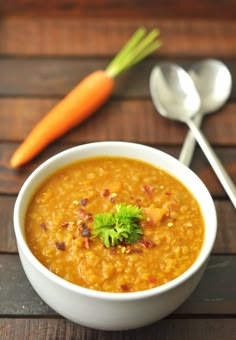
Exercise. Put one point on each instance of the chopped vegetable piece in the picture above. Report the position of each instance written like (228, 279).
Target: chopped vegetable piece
(155, 215)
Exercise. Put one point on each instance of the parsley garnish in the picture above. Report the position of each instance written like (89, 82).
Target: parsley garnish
(119, 226)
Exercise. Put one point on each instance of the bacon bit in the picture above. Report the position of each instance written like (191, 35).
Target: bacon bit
(43, 226)
(147, 243)
(84, 202)
(60, 245)
(82, 213)
(138, 202)
(124, 287)
(168, 193)
(84, 230)
(84, 216)
(86, 243)
(106, 193)
(149, 189)
(65, 224)
(149, 222)
(112, 251)
(89, 217)
(135, 251)
(152, 280)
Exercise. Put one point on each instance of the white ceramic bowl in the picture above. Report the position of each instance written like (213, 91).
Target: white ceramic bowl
(113, 311)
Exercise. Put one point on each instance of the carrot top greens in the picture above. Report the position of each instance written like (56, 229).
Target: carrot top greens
(138, 47)
(119, 226)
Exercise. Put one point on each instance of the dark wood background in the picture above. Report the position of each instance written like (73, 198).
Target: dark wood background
(209, 9)
(45, 49)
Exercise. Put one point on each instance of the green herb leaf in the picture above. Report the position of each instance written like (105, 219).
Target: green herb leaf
(122, 225)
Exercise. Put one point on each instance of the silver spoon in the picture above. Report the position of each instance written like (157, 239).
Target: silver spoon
(213, 82)
(175, 97)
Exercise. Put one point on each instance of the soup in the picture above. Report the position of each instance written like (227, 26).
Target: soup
(60, 225)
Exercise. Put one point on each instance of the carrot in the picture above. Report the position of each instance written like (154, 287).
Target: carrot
(85, 98)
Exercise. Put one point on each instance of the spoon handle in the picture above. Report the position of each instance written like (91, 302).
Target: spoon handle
(188, 147)
(217, 166)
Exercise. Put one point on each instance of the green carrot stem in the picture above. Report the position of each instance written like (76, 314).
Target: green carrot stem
(150, 49)
(136, 49)
(129, 46)
(139, 53)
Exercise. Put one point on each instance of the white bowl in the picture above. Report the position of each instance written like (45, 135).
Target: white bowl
(114, 311)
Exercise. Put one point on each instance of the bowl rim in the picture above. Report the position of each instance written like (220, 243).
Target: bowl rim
(123, 296)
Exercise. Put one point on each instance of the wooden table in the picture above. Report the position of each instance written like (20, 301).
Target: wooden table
(45, 49)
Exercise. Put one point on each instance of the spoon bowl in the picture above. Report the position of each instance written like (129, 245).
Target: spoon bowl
(176, 97)
(213, 82)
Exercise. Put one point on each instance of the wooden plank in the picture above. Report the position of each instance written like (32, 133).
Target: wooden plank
(133, 119)
(131, 116)
(214, 295)
(11, 180)
(171, 329)
(226, 233)
(69, 36)
(130, 9)
(7, 235)
(225, 240)
(203, 169)
(55, 77)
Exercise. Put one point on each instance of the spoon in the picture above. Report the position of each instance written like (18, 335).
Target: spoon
(213, 82)
(175, 97)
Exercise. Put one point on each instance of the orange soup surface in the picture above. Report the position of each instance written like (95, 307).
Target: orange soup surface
(59, 225)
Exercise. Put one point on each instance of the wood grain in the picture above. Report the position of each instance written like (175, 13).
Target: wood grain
(11, 180)
(45, 49)
(129, 9)
(171, 329)
(7, 235)
(214, 294)
(134, 120)
(61, 36)
(225, 240)
(55, 77)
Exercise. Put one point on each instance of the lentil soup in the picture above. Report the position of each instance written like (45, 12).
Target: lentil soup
(59, 225)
